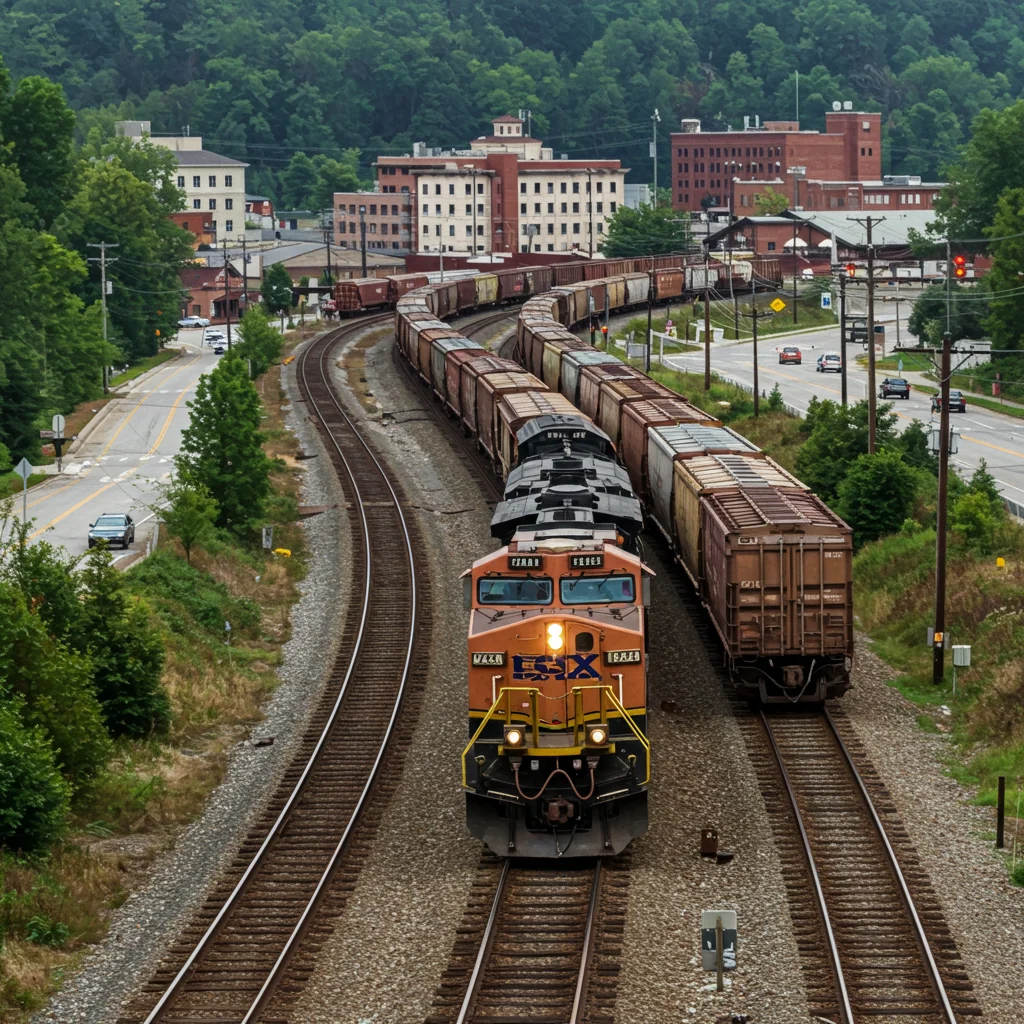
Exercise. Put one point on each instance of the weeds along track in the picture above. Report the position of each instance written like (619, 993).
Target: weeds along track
(249, 949)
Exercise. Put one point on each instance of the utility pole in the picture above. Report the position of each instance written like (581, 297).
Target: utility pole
(938, 651)
(755, 316)
(227, 292)
(103, 260)
(869, 223)
(842, 328)
(245, 272)
(328, 233)
(798, 173)
(650, 310)
(707, 325)
(655, 118)
(362, 235)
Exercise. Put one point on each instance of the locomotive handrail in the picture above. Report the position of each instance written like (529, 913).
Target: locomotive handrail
(504, 697)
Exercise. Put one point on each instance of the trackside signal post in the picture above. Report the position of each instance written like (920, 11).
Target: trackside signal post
(718, 942)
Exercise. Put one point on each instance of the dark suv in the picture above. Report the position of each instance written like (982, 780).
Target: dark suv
(957, 402)
(114, 528)
(894, 387)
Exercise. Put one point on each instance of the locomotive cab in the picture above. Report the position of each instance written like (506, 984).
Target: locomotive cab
(558, 759)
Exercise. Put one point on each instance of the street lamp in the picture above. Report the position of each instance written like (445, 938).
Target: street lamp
(362, 235)
(655, 120)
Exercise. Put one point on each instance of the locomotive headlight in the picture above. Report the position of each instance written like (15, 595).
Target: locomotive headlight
(555, 637)
(514, 736)
(597, 735)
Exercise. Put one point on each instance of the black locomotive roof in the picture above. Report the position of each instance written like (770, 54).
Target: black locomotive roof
(544, 435)
(581, 470)
(568, 505)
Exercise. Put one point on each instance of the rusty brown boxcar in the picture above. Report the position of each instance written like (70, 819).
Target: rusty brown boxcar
(362, 293)
(469, 372)
(778, 585)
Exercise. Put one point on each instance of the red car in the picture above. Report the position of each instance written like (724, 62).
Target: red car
(790, 354)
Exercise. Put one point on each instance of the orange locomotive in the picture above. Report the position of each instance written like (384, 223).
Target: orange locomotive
(558, 761)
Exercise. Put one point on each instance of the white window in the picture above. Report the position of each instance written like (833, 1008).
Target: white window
(229, 204)
(229, 225)
(228, 180)
(213, 181)
(437, 190)
(469, 190)
(600, 228)
(426, 209)
(426, 227)
(213, 204)
(479, 207)
(469, 209)
(522, 188)
(451, 190)
(437, 209)
(479, 190)
(426, 189)
(181, 181)
(196, 181)
(197, 204)
(451, 229)
(451, 209)
(469, 230)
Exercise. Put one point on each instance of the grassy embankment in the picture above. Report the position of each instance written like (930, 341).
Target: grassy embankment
(894, 594)
(52, 909)
(144, 365)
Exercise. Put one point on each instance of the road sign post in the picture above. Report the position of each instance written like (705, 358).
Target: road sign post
(24, 470)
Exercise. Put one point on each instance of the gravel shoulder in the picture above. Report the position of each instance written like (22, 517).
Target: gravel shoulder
(393, 939)
(702, 777)
(955, 840)
(151, 918)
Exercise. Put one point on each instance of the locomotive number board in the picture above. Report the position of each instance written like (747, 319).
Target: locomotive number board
(586, 561)
(622, 657)
(526, 561)
(488, 659)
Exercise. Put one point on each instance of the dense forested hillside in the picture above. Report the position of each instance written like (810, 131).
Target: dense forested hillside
(264, 79)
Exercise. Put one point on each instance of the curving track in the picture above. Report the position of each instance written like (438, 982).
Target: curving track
(231, 960)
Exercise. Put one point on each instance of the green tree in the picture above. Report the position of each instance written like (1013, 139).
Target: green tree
(34, 798)
(646, 231)
(968, 306)
(973, 517)
(769, 203)
(1005, 321)
(190, 515)
(298, 182)
(876, 495)
(260, 343)
(126, 651)
(277, 289)
(221, 449)
(38, 126)
(837, 438)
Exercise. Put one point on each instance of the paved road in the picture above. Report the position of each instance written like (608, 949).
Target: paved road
(121, 465)
(996, 438)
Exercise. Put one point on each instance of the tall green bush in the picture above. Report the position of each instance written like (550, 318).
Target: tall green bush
(876, 495)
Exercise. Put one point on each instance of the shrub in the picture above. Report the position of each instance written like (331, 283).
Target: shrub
(34, 798)
(876, 495)
(973, 517)
(775, 403)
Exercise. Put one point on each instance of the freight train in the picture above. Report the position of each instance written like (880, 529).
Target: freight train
(558, 760)
(670, 277)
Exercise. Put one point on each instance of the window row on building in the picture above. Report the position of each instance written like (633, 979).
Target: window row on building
(564, 207)
(197, 204)
(371, 228)
(425, 188)
(197, 181)
(372, 208)
(563, 187)
(748, 151)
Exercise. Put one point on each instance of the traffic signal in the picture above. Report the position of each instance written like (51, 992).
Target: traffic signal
(959, 266)
(851, 269)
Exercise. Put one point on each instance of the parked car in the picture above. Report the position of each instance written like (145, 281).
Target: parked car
(790, 354)
(894, 387)
(830, 362)
(218, 350)
(957, 402)
(214, 337)
(114, 528)
(194, 321)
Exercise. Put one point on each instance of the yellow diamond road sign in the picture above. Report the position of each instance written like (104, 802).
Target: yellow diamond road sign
(778, 305)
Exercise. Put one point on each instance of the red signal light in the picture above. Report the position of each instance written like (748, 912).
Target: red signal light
(851, 269)
(959, 266)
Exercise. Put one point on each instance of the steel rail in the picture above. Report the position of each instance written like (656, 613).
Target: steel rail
(908, 900)
(588, 949)
(485, 947)
(173, 988)
(844, 998)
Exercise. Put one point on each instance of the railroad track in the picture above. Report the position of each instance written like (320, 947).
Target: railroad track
(253, 940)
(891, 952)
(539, 944)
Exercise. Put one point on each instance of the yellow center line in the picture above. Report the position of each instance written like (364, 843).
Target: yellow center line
(167, 422)
(988, 444)
(142, 402)
(74, 508)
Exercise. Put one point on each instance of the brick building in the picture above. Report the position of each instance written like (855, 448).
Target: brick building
(708, 165)
(506, 193)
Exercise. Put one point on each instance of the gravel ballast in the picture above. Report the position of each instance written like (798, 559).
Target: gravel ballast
(151, 918)
(955, 840)
(392, 942)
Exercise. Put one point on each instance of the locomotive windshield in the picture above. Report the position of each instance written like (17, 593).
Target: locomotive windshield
(514, 590)
(598, 589)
